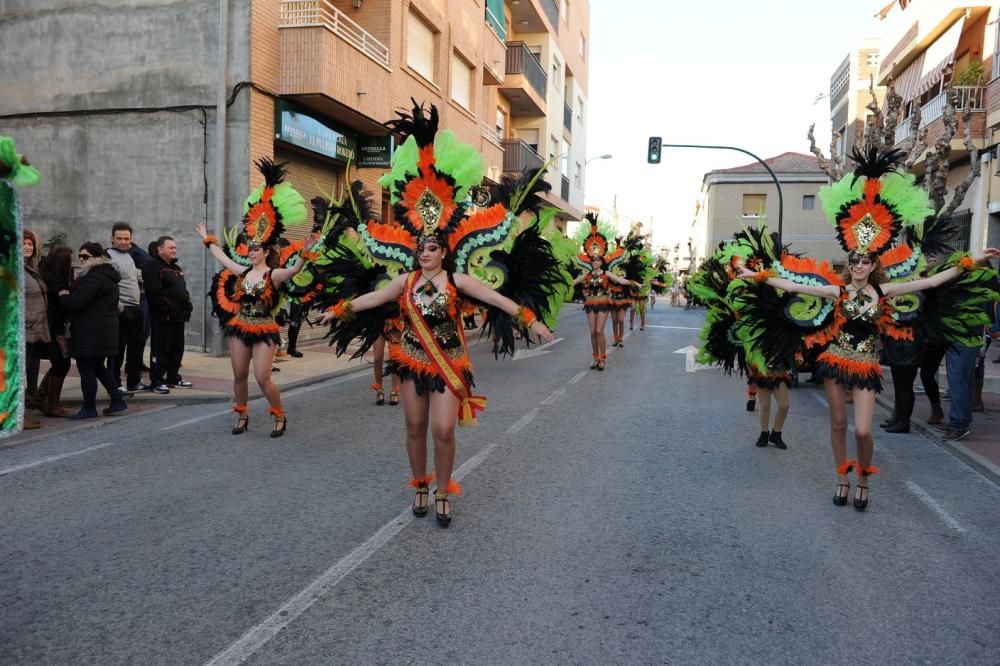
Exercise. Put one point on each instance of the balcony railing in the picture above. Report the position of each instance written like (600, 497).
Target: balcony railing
(518, 156)
(552, 11)
(522, 61)
(975, 96)
(564, 189)
(309, 13)
(568, 117)
(498, 25)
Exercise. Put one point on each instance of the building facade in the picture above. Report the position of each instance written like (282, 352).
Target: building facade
(927, 49)
(130, 131)
(743, 196)
(850, 94)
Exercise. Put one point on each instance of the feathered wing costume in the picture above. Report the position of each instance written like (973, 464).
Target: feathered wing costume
(14, 171)
(435, 189)
(597, 241)
(248, 311)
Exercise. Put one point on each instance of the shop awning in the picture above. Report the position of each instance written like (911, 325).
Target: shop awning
(938, 56)
(926, 70)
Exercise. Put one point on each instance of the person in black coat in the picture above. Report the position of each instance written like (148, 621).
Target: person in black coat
(92, 306)
(169, 309)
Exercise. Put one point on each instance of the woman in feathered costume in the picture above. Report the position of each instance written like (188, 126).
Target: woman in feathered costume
(597, 260)
(246, 294)
(447, 246)
(867, 208)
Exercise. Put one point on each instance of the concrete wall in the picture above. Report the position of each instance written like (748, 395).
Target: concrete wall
(117, 111)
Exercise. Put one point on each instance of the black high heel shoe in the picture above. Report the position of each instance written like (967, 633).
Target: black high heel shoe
(861, 498)
(840, 498)
(278, 432)
(420, 501)
(379, 394)
(242, 424)
(441, 502)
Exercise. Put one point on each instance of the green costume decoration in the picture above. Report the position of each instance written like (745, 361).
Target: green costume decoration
(14, 170)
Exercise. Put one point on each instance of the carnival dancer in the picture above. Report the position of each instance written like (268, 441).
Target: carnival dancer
(777, 383)
(388, 338)
(246, 294)
(448, 245)
(597, 257)
(868, 208)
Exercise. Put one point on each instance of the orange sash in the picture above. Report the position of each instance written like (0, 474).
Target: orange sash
(453, 379)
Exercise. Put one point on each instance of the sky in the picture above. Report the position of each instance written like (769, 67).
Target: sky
(726, 72)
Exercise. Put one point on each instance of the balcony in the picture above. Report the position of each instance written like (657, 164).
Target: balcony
(975, 96)
(317, 44)
(568, 117)
(309, 13)
(533, 16)
(518, 156)
(494, 54)
(526, 83)
(552, 12)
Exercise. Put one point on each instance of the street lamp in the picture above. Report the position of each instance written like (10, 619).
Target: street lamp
(781, 202)
(605, 156)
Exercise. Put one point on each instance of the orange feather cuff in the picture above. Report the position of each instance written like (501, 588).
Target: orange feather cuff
(525, 317)
(965, 264)
(210, 241)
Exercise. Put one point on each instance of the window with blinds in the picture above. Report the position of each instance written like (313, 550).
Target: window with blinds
(461, 81)
(753, 204)
(420, 47)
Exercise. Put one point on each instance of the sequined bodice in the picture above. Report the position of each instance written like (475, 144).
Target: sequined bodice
(253, 304)
(440, 314)
(859, 332)
(595, 284)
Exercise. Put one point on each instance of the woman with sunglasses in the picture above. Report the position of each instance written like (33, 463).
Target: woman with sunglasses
(92, 306)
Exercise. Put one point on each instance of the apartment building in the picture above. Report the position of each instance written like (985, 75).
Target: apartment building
(928, 48)
(130, 131)
(739, 197)
(850, 94)
(991, 163)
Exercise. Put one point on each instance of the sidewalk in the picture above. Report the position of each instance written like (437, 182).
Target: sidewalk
(212, 377)
(981, 448)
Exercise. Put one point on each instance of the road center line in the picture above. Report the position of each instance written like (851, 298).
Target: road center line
(43, 461)
(555, 396)
(676, 328)
(577, 377)
(932, 504)
(523, 421)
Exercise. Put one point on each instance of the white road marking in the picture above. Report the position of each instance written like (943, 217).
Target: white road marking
(523, 421)
(537, 351)
(577, 377)
(43, 461)
(932, 504)
(676, 328)
(553, 397)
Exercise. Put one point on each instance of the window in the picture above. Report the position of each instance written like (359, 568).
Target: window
(565, 158)
(753, 204)
(577, 177)
(556, 73)
(872, 58)
(420, 47)
(461, 81)
(564, 10)
(583, 46)
(579, 109)
(501, 122)
(530, 137)
(808, 201)
(996, 53)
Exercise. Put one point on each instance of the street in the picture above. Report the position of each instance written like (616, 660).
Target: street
(621, 516)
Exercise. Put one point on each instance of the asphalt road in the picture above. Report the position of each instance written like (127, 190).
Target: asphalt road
(615, 517)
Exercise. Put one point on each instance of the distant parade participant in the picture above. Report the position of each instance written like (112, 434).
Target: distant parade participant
(246, 295)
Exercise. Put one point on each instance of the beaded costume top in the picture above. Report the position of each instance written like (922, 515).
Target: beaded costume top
(859, 331)
(596, 285)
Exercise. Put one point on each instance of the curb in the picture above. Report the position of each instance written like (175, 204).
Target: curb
(985, 467)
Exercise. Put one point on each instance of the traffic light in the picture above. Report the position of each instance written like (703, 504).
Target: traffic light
(653, 156)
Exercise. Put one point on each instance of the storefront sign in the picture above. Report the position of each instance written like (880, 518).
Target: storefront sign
(299, 129)
(375, 151)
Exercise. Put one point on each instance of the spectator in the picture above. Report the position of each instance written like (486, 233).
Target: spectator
(36, 329)
(131, 341)
(57, 272)
(93, 310)
(169, 309)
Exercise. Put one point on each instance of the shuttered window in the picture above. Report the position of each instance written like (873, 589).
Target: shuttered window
(461, 81)
(753, 204)
(420, 47)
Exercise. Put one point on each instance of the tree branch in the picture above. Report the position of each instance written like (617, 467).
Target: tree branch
(975, 167)
(824, 164)
(937, 159)
(893, 105)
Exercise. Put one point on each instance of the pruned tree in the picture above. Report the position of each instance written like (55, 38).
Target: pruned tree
(880, 131)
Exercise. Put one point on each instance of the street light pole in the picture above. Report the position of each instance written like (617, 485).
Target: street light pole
(781, 202)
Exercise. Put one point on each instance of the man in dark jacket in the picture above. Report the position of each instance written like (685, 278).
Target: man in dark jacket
(169, 308)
